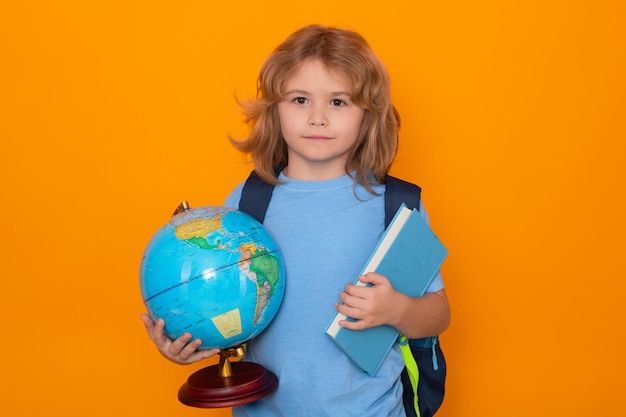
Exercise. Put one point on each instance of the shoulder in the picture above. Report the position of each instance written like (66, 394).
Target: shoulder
(232, 200)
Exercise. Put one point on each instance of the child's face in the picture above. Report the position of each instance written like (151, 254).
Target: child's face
(319, 122)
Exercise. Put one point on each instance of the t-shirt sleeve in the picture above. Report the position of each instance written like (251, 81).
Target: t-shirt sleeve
(232, 200)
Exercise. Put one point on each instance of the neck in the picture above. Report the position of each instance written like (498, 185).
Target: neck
(307, 173)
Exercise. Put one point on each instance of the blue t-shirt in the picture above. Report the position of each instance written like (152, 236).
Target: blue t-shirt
(325, 234)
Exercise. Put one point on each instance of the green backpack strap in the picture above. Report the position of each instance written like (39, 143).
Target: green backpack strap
(411, 367)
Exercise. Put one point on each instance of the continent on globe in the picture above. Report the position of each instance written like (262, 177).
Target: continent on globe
(262, 270)
(196, 231)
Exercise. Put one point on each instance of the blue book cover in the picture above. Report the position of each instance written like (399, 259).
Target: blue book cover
(409, 255)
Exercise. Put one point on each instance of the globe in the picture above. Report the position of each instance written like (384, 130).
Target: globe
(214, 272)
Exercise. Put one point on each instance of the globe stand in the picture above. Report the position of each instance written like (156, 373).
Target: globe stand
(228, 384)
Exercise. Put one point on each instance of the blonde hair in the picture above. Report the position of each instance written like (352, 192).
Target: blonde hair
(340, 50)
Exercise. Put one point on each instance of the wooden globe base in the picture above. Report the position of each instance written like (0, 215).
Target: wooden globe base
(209, 388)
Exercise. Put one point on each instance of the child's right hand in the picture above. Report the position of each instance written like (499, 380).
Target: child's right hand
(182, 350)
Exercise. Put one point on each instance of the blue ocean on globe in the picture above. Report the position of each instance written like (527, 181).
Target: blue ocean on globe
(214, 272)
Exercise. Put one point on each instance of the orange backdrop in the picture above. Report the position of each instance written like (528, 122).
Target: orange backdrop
(113, 112)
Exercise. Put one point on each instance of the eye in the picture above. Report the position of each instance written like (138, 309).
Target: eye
(337, 102)
(300, 100)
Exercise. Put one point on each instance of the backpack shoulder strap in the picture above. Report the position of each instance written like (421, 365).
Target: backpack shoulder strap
(397, 192)
(255, 197)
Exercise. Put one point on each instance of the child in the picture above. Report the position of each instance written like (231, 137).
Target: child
(324, 111)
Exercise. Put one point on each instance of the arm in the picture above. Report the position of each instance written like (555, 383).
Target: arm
(380, 304)
(182, 351)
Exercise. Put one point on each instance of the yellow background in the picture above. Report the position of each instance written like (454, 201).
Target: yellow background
(112, 112)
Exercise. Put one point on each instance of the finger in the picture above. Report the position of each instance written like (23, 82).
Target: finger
(372, 278)
(349, 289)
(179, 344)
(348, 311)
(353, 293)
(352, 325)
(150, 327)
(190, 349)
(147, 321)
(353, 296)
(158, 332)
(202, 354)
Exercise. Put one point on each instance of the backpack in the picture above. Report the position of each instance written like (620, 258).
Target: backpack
(424, 376)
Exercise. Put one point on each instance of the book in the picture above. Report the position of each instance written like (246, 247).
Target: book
(409, 254)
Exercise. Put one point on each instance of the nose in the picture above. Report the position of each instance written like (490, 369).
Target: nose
(318, 118)
(317, 123)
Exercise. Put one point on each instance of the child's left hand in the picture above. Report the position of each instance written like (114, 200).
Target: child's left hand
(373, 305)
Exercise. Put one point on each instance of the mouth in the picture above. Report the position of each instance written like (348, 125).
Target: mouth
(317, 137)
